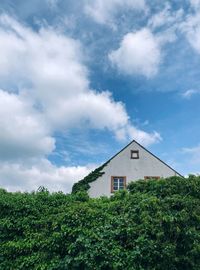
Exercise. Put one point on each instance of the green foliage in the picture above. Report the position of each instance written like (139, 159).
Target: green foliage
(154, 226)
(83, 185)
(168, 187)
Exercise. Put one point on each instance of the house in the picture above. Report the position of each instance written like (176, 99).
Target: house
(133, 162)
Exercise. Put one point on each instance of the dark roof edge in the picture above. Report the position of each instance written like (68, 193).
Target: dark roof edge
(148, 152)
(159, 159)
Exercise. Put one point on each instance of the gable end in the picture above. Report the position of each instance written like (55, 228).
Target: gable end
(83, 185)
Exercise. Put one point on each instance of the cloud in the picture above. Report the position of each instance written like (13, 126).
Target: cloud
(191, 28)
(49, 91)
(194, 154)
(20, 177)
(166, 17)
(103, 12)
(191, 150)
(195, 3)
(139, 135)
(23, 132)
(189, 93)
(144, 137)
(96, 110)
(168, 23)
(139, 53)
(52, 3)
(50, 66)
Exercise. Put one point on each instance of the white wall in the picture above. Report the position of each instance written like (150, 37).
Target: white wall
(133, 169)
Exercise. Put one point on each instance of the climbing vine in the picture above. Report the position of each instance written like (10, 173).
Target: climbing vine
(83, 185)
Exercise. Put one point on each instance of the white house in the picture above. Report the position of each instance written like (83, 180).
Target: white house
(133, 162)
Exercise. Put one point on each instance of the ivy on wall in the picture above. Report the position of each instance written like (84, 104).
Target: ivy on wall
(83, 185)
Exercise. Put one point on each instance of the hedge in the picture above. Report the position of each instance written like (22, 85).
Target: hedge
(154, 225)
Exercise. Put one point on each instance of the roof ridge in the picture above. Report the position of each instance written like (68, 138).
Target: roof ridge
(145, 150)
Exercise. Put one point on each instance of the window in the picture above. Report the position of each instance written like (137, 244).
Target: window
(151, 177)
(134, 154)
(118, 183)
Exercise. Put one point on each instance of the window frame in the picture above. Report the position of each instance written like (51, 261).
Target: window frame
(151, 177)
(134, 152)
(112, 183)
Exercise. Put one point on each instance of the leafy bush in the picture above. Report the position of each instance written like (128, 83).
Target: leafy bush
(154, 225)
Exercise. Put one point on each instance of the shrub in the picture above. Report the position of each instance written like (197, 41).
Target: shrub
(154, 225)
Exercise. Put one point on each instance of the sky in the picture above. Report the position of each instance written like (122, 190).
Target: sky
(80, 79)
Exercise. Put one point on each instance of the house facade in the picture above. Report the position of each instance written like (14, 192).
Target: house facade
(130, 164)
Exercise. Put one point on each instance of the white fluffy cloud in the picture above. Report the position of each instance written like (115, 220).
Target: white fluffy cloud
(139, 135)
(23, 133)
(49, 92)
(139, 53)
(103, 12)
(20, 177)
(50, 65)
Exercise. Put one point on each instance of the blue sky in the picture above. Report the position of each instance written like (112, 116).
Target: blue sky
(80, 79)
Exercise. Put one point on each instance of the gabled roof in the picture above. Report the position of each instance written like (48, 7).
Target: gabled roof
(91, 177)
(134, 141)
